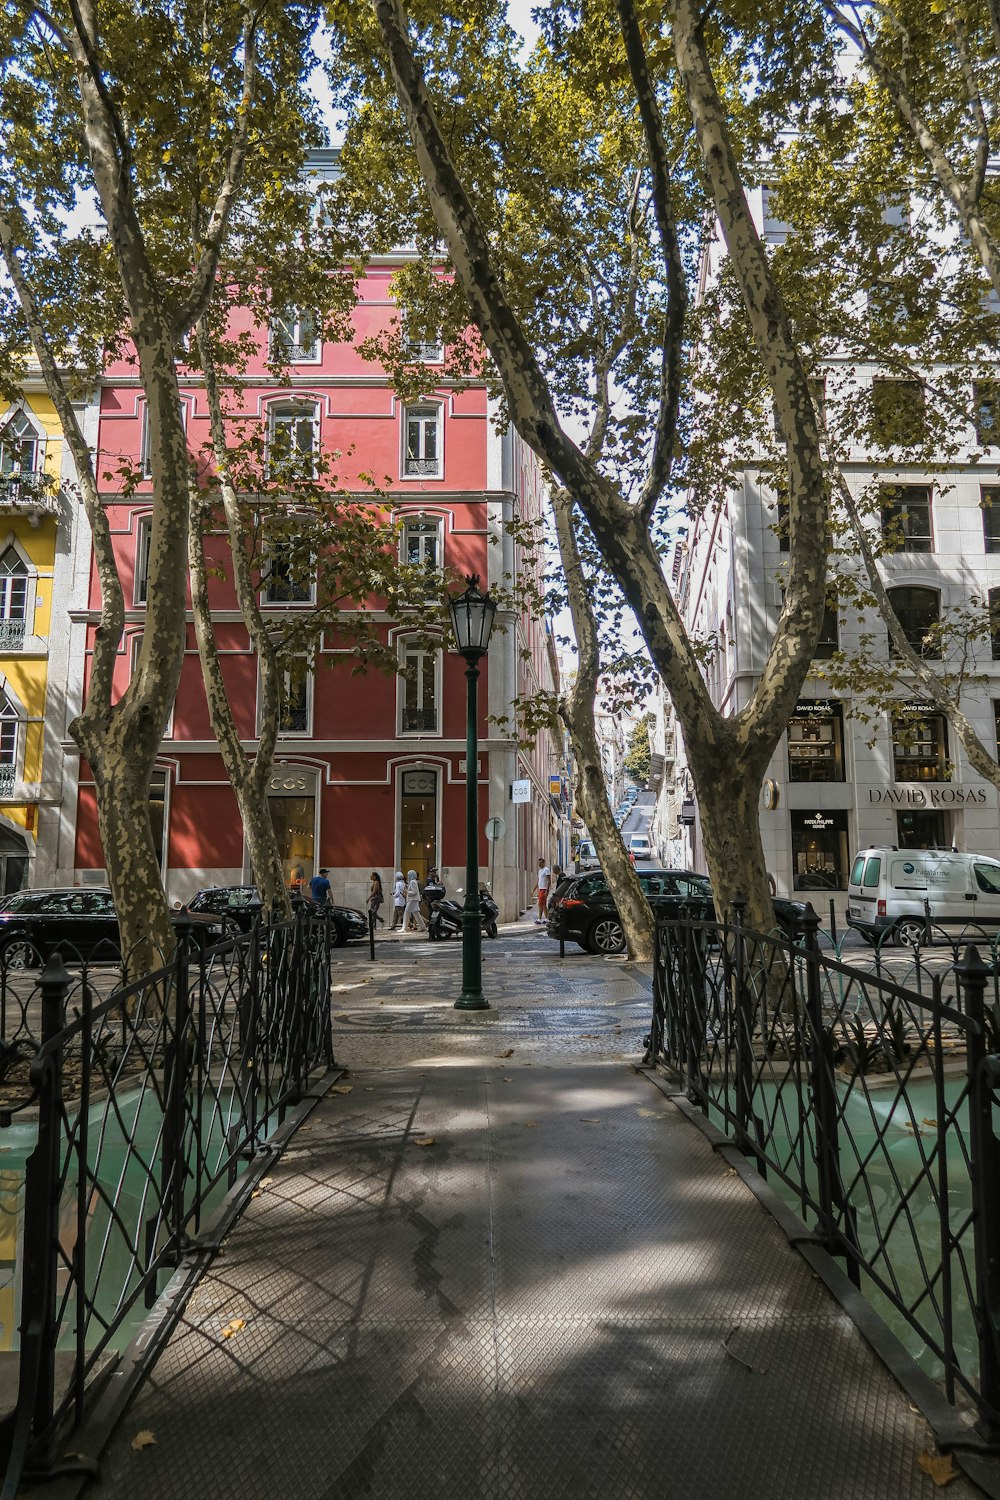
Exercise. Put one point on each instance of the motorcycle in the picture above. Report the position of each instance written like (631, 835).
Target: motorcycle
(447, 916)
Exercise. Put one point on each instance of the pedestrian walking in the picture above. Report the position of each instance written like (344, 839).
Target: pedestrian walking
(398, 900)
(319, 888)
(411, 911)
(542, 890)
(376, 896)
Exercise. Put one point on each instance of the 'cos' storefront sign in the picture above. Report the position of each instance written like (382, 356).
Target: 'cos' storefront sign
(287, 781)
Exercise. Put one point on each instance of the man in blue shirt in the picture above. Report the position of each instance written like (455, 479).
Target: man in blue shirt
(319, 888)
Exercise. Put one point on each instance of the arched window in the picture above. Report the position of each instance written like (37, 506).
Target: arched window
(292, 439)
(13, 599)
(19, 445)
(9, 727)
(918, 610)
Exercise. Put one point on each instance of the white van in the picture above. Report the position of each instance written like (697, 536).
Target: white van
(640, 846)
(586, 856)
(888, 888)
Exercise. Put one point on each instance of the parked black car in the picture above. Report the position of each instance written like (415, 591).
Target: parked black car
(583, 911)
(79, 922)
(239, 905)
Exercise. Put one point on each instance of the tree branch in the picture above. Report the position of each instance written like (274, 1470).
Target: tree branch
(671, 364)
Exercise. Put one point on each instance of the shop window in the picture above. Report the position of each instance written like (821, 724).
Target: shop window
(816, 742)
(419, 692)
(986, 408)
(906, 517)
(899, 413)
(819, 850)
(14, 581)
(918, 610)
(422, 442)
(920, 745)
(418, 803)
(989, 504)
(294, 336)
(14, 860)
(921, 828)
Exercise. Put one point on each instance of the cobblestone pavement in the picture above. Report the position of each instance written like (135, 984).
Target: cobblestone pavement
(500, 1264)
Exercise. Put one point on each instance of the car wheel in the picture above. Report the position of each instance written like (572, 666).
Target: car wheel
(337, 938)
(607, 936)
(21, 953)
(910, 932)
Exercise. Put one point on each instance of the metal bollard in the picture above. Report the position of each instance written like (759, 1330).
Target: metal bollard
(372, 919)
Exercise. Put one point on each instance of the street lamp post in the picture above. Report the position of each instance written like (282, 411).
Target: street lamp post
(472, 620)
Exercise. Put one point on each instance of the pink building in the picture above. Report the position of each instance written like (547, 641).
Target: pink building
(370, 774)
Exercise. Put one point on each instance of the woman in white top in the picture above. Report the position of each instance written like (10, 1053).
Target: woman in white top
(398, 900)
(411, 911)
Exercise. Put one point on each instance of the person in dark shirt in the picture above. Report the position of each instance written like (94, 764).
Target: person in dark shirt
(319, 888)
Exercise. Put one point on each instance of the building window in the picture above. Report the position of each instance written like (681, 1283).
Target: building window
(9, 733)
(144, 535)
(816, 742)
(920, 745)
(989, 503)
(906, 517)
(19, 447)
(899, 413)
(146, 457)
(425, 351)
(296, 696)
(986, 408)
(294, 336)
(829, 640)
(14, 581)
(419, 694)
(918, 610)
(774, 231)
(158, 815)
(422, 543)
(292, 434)
(993, 599)
(996, 724)
(135, 647)
(819, 850)
(422, 454)
(290, 573)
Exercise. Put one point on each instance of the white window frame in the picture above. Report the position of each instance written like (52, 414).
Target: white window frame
(301, 409)
(140, 579)
(426, 412)
(293, 350)
(429, 527)
(11, 639)
(134, 647)
(145, 459)
(36, 434)
(11, 758)
(421, 351)
(265, 592)
(310, 681)
(408, 648)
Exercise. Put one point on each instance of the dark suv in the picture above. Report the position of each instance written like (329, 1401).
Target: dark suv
(239, 905)
(583, 910)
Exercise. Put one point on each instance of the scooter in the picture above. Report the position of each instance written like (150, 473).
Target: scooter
(447, 916)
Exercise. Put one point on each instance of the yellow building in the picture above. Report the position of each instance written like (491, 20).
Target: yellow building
(31, 511)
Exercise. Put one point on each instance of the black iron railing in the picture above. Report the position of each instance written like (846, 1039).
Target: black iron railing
(142, 1106)
(870, 1107)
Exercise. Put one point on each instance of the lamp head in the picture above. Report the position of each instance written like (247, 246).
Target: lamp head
(472, 620)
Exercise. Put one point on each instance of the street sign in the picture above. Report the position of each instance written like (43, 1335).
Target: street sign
(495, 829)
(520, 791)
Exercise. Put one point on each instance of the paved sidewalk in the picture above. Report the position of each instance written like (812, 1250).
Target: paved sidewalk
(504, 1266)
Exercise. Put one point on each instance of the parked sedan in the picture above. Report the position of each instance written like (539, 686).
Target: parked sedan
(240, 905)
(79, 922)
(584, 912)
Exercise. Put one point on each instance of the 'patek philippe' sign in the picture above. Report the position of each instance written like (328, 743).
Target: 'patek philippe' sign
(930, 796)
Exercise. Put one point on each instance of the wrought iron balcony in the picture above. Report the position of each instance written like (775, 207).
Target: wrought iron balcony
(420, 720)
(12, 633)
(23, 490)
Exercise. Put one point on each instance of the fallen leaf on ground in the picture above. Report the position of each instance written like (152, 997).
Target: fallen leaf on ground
(589, 1036)
(530, 1124)
(925, 1121)
(425, 1140)
(940, 1466)
(509, 1053)
(343, 1088)
(341, 1015)
(265, 1182)
(650, 1114)
(508, 1080)
(590, 1122)
(233, 1327)
(144, 1439)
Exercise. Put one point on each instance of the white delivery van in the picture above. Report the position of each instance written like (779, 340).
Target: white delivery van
(640, 846)
(586, 856)
(888, 888)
